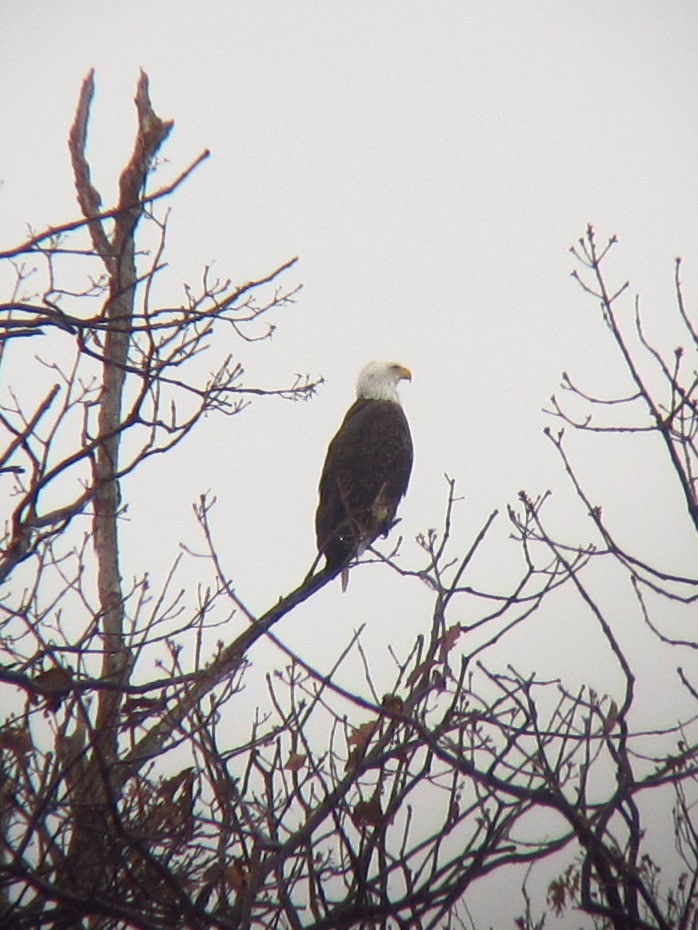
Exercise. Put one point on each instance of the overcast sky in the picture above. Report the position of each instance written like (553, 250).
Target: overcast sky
(431, 163)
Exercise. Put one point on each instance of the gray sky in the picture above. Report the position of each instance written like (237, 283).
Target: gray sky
(431, 163)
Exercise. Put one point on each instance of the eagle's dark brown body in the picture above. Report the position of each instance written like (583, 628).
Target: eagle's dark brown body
(366, 473)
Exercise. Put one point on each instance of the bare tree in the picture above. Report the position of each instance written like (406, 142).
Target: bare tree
(125, 800)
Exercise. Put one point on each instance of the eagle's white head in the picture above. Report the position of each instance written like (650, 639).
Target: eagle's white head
(379, 381)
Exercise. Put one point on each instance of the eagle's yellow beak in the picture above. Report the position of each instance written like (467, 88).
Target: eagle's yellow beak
(405, 373)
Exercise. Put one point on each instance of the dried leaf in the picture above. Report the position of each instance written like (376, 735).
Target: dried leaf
(418, 672)
(167, 816)
(55, 684)
(212, 873)
(237, 874)
(557, 896)
(392, 703)
(361, 736)
(295, 761)
(16, 740)
(355, 756)
(449, 639)
(368, 812)
(169, 786)
(169, 805)
(611, 718)
(54, 679)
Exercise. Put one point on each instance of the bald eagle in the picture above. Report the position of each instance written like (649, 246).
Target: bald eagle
(366, 470)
